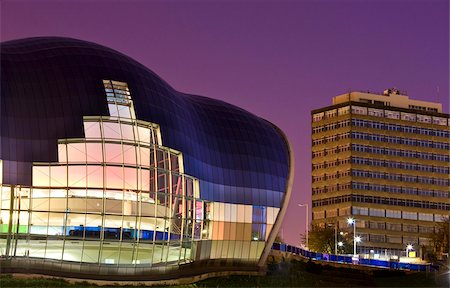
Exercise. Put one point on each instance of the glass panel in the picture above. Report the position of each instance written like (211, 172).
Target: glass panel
(145, 156)
(113, 110)
(77, 176)
(111, 130)
(73, 251)
(127, 132)
(95, 176)
(40, 199)
(94, 205)
(129, 154)
(174, 162)
(113, 222)
(39, 222)
(41, 176)
(161, 159)
(144, 180)
(92, 130)
(114, 177)
(113, 153)
(77, 204)
(55, 222)
(76, 152)
(144, 135)
(93, 224)
(62, 153)
(54, 248)
(58, 205)
(124, 111)
(94, 152)
(130, 178)
(58, 176)
(37, 249)
(163, 183)
(110, 252)
(91, 250)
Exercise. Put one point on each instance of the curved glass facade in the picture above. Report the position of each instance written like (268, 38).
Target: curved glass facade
(128, 173)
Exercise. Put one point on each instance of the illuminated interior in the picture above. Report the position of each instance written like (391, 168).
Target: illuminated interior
(119, 197)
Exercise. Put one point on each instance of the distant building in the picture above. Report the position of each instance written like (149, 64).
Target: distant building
(107, 172)
(384, 161)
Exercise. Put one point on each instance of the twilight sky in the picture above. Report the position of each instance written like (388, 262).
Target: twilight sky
(276, 59)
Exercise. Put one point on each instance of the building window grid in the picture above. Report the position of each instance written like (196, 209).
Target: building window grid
(381, 138)
(376, 162)
(355, 122)
(90, 230)
(382, 201)
(400, 152)
(398, 177)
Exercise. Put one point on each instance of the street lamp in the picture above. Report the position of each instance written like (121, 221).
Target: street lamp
(306, 225)
(408, 248)
(351, 221)
(335, 237)
(340, 244)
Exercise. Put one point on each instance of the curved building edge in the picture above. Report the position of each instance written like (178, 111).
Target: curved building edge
(287, 196)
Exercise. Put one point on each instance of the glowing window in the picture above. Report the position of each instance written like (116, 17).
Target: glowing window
(41, 176)
(113, 153)
(62, 153)
(113, 110)
(58, 176)
(144, 181)
(129, 154)
(259, 218)
(76, 153)
(130, 178)
(344, 110)
(94, 152)
(127, 132)
(111, 130)
(92, 130)
(124, 111)
(144, 135)
(94, 176)
(144, 156)
(114, 177)
(77, 176)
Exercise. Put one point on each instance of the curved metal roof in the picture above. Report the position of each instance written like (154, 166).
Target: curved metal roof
(50, 83)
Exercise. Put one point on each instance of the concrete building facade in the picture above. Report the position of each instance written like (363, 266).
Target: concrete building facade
(383, 160)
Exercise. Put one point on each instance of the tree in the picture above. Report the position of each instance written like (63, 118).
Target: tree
(321, 239)
(440, 239)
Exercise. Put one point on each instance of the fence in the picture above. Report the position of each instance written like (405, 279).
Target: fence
(348, 259)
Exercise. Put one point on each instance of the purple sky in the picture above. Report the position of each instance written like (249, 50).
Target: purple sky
(277, 59)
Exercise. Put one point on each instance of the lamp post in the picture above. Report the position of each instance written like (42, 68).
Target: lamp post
(335, 238)
(340, 244)
(307, 224)
(352, 221)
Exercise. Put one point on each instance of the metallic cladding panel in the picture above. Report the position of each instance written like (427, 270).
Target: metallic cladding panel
(49, 84)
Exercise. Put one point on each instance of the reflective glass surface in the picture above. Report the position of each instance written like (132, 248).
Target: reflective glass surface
(50, 84)
(118, 197)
